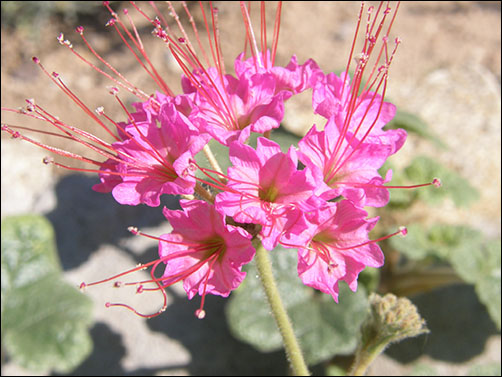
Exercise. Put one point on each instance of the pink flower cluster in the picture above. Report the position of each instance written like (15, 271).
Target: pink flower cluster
(310, 198)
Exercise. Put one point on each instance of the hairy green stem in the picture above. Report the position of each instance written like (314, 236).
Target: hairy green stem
(212, 160)
(364, 358)
(291, 345)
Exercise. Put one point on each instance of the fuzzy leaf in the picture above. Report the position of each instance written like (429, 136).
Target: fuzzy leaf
(475, 260)
(479, 264)
(323, 327)
(44, 319)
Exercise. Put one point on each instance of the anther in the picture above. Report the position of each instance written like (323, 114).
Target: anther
(110, 22)
(47, 160)
(108, 304)
(80, 30)
(100, 110)
(117, 284)
(35, 60)
(436, 182)
(200, 313)
(331, 266)
(133, 230)
(403, 230)
(60, 38)
(139, 289)
(82, 286)
(113, 90)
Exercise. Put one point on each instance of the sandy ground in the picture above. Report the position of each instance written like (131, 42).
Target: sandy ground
(447, 71)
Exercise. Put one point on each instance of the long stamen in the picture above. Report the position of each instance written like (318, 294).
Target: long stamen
(154, 74)
(435, 182)
(165, 281)
(250, 36)
(277, 25)
(402, 231)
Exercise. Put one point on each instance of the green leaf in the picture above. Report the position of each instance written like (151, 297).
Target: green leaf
(414, 124)
(324, 328)
(423, 369)
(424, 169)
(437, 241)
(479, 263)
(284, 138)
(490, 369)
(476, 260)
(44, 319)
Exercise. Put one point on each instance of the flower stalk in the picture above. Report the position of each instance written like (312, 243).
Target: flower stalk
(390, 320)
(291, 345)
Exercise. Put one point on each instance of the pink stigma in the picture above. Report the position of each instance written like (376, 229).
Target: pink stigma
(436, 182)
(200, 313)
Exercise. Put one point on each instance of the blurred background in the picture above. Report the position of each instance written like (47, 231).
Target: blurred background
(447, 71)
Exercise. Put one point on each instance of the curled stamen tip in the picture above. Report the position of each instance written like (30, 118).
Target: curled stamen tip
(110, 22)
(82, 286)
(100, 110)
(47, 160)
(80, 30)
(403, 230)
(200, 313)
(139, 289)
(55, 75)
(16, 134)
(133, 230)
(436, 182)
(117, 284)
(181, 40)
(35, 60)
(108, 304)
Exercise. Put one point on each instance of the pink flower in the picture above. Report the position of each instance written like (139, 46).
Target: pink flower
(344, 166)
(336, 247)
(265, 187)
(155, 150)
(226, 106)
(294, 78)
(364, 115)
(203, 251)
